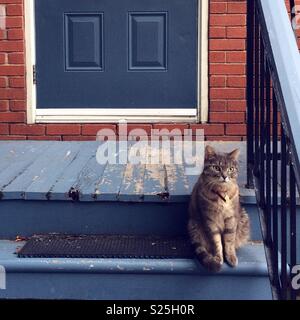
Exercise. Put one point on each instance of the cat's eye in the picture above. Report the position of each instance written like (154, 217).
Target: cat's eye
(216, 168)
(231, 169)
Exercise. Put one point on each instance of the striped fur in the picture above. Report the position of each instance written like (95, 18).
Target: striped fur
(218, 225)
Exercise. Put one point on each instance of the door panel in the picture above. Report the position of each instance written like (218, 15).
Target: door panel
(116, 53)
(148, 41)
(84, 42)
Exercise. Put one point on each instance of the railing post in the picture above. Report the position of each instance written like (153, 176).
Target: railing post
(250, 86)
(283, 216)
(273, 68)
(292, 5)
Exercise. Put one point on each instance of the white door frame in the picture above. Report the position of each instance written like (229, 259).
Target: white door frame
(55, 115)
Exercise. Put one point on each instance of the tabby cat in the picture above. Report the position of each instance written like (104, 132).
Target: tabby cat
(218, 225)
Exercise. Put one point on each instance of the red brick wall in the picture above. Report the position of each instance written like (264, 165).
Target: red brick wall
(227, 57)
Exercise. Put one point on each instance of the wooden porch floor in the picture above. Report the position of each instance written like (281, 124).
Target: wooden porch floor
(48, 170)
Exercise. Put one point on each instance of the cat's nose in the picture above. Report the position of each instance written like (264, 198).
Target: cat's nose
(226, 178)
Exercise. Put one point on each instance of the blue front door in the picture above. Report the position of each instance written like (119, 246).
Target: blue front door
(116, 53)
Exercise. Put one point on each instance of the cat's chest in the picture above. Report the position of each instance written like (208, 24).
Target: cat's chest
(226, 206)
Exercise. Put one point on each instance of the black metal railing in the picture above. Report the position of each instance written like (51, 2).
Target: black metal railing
(273, 135)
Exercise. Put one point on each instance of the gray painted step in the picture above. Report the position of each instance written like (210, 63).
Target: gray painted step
(60, 187)
(132, 278)
(25, 218)
(34, 170)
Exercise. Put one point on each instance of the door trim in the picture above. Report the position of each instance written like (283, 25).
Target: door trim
(55, 115)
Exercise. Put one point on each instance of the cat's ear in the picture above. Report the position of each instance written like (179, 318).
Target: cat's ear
(209, 152)
(234, 155)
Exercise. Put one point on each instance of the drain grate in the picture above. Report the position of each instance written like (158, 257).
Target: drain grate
(106, 246)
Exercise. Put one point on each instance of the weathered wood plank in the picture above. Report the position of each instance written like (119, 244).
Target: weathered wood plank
(45, 170)
(177, 183)
(133, 183)
(155, 184)
(110, 184)
(42, 170)
(12, 151)
(48, 175)
(60, 189)
(20, 164)
(131, 188)
(86, 181)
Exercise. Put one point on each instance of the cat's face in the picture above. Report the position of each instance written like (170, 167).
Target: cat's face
(221, 168)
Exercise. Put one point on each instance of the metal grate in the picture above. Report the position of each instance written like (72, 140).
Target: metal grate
(106, 246)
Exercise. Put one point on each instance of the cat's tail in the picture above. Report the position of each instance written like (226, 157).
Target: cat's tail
(210, 262)
(243, 229)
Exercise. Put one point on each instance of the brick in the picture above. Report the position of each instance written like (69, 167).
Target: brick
(236, 57)
(145, 127)
(35, 130)
(92, 129)
(14, 22)
(7, 94)
(227, 44)
(17, 82)
(227, 93)
(12, 71)
(78, 138)
(176, 127)
(236, 82)
(227, 117)
(12, 117)
(217, 56)
(17, 105)
(236, 32)
(236, 105)
(2, 58)
(3, 82)
(4, 105)
(227, 20)
(218, 7)
(223, 138)
(16, 58)
(209, 129)
(11, 1)
(11, 46)
(237, 7)
(14, 10)
(4, 129)
(52, 138)
(63, 129)
(10, 137)
(227, 69)
(217, 82)
(3, 34)
(15, 34)
(217, 32)
(217, 105)
(236, 129)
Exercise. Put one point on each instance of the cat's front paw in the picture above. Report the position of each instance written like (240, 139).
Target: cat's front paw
(232, 260)
(214, 264)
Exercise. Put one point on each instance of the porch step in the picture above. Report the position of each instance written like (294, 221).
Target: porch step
(132, 278)
(26, 218)
(48, 187)
(54, 187)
